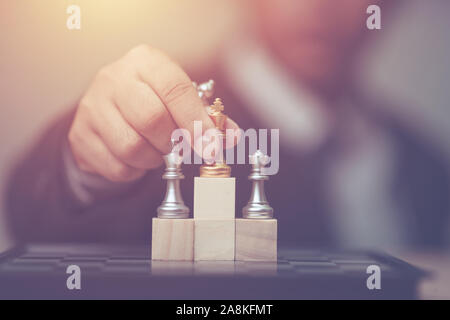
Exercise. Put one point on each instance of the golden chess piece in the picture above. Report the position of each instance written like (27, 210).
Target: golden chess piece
(218, 169)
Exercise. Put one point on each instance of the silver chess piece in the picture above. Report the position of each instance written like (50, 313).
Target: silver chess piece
(173, 206)
(205, 90)
(258, 207)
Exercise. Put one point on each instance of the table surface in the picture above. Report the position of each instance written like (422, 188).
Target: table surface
(434, 286)
(437, 285)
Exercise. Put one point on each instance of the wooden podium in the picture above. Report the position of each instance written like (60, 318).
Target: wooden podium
(214, 218)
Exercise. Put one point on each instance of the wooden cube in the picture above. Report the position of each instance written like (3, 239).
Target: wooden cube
(256, 240)
(214, 198)
(172, 239)
(214, 239)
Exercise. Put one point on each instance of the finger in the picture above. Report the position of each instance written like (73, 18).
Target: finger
(231, 124)
(174, 88)
(122, 140)
(233, 133)
(145, 112)
(93, 156)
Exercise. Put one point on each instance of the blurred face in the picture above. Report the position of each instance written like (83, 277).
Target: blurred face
(315, 39)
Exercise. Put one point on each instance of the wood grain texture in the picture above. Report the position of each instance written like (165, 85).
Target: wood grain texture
(214, 198)
(256, 240)
(214, 239)
(172, 239)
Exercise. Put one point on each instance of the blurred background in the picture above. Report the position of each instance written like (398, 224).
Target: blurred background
(44, 67)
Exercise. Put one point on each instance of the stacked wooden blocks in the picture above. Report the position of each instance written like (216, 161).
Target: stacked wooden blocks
(214, 218)
(214, 233)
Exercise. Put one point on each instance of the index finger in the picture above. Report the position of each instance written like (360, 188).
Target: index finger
(175, 89)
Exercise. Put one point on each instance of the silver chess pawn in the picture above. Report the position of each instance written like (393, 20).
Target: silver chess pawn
(258, 207)
(205, 90)
(173, 206)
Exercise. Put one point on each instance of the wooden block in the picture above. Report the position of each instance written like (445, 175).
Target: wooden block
(256, 240)
(214, 239)
(172, 239)
(214, 198)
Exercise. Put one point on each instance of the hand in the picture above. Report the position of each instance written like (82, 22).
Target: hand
(124, 121)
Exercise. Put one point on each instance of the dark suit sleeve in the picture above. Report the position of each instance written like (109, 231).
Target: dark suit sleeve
(42, 207)
(422, 187)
